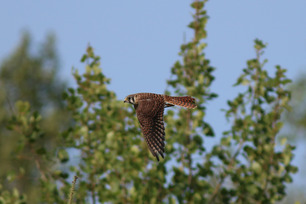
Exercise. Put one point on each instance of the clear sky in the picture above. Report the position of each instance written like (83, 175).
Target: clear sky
(139, 40)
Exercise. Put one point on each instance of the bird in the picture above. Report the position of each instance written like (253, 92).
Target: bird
(150, 113)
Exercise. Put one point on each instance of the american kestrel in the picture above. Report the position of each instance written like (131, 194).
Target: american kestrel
(150, 113)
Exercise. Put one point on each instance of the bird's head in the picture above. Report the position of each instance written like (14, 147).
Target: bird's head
(132, 99)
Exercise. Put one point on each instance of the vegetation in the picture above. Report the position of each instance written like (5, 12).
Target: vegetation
(99, 143)
(28, 143)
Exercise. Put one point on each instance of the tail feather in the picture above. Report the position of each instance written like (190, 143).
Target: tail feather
(184, 101)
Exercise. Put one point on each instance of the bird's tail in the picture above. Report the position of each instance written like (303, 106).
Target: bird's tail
(184, 101)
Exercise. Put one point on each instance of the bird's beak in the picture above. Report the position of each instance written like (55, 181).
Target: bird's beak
(125, 100)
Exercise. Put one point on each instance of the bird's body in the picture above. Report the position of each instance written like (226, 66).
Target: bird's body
(150, 113)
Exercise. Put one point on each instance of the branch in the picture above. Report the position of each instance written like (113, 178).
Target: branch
(72, 189)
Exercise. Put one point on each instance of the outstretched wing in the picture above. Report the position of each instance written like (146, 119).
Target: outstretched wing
(150, 115)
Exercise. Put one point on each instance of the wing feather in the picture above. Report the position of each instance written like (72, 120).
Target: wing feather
(150, 115)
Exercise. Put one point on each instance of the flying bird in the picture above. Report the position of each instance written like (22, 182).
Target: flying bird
(150, 113)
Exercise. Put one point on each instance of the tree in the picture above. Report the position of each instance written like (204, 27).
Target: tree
(294, 131)
(114, 164)
(113, 156)
(256, 170)
(296, 118)
(193, 76)
(246, 157)
(33, 78)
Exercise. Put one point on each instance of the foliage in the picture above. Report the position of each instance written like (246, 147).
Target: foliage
(255, 170)
(104, 148)
(114, 160)
(11, 196)
(295, 131)
(296, 118)
(29, 75)
(193, 76)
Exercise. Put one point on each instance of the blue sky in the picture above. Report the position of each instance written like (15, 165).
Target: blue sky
(139, 40)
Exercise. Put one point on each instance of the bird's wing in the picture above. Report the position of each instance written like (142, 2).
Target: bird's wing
(150, 115)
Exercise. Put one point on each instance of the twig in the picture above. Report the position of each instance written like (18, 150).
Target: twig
(216, 191)
(72, 189)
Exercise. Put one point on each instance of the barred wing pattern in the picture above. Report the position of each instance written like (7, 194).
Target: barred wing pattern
(150, 112)
(150, 115)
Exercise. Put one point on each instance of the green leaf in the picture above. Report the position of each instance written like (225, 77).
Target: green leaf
(22, 106)
(63, 155)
